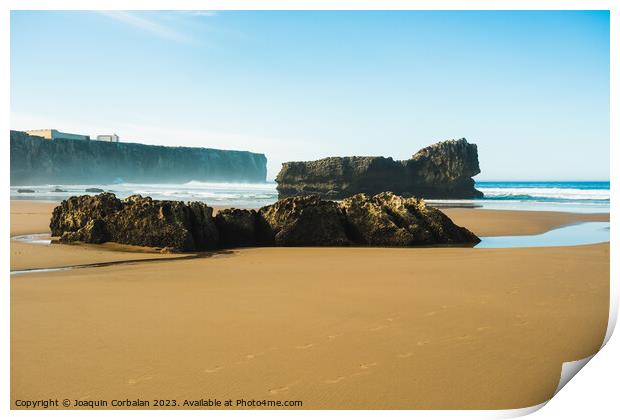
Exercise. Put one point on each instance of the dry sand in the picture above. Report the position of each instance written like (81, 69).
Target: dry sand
(30, 216)
(336, 328)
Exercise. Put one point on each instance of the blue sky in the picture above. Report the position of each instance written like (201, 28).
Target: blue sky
(530, 88)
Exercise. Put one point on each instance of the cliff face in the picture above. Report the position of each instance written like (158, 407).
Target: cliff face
(36, 161)
(442, 170)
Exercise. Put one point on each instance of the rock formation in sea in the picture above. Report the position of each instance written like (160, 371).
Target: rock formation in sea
(442, 170)
(382, 220)
(37, 161)
(303, 221)
(387, 219)
(135, 220)
(236, 228)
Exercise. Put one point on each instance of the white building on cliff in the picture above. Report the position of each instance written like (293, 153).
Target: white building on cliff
(108, 137)
(52, 134)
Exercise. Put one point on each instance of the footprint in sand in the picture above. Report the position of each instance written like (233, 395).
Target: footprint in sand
(334, 381)
(367, 365)
(139, 379)
(405, 355)
(463, 337)
(250, 357)
(278, 390)
(423, 342)
(305, 346)
(442, 307)
(214, 369)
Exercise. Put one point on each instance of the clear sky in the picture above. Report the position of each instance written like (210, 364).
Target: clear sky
(530, 88)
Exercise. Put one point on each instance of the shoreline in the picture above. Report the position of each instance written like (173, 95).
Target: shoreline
(357, 328)
(471, 218)
(32, 217)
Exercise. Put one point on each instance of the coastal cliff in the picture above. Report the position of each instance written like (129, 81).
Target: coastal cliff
(36, 161)
(442, 170)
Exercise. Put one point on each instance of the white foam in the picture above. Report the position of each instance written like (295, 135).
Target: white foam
(556, 193)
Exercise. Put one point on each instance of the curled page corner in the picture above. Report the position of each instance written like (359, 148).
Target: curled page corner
(570, 369)
(519, 412)
(613, 317)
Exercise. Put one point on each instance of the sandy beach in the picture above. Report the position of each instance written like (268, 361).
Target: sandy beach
(357, 328)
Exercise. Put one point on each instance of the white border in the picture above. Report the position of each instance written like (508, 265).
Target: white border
(598, 381)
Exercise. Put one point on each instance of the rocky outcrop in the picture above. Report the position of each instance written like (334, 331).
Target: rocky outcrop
(303, 221)
(237, 228)
(383, 220)
(135, 220)
(37, 161)
(391, 220)
(442, 170)
(93, 232)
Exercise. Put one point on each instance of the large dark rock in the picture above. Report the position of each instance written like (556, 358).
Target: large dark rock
(94, 232)
(236, 227)
(135, 220)
(302, 221)
(391, 220)
(442, 170)
(37, 161)
(74, 213)
(385, 219)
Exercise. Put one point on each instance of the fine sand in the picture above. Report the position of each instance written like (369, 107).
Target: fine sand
(441, 328)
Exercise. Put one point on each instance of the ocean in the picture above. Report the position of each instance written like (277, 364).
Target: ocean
(571, 196)
(579, 196)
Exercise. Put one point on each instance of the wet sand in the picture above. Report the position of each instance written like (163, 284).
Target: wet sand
(441, 328)
(507, 222)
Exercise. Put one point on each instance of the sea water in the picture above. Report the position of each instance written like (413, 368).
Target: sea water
(578, 196)
(238, 195)
(577, 234)
(573, 197)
